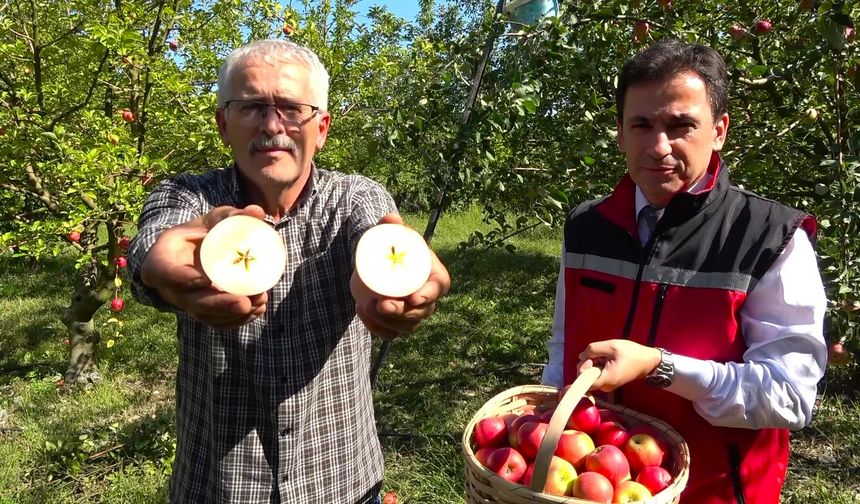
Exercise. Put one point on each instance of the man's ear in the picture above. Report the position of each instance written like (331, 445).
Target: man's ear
(721, 130)
(221, 121)
(323, 126)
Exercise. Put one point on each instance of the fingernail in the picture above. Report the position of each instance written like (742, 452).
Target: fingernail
(197, 283)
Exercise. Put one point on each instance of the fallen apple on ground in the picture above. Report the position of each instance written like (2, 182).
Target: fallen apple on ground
(393, 260)
(243, 255)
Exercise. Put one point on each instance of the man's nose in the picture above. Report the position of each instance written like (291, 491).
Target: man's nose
(661, 145)
(271, 122)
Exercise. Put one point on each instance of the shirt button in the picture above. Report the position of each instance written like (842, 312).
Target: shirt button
(286, 431)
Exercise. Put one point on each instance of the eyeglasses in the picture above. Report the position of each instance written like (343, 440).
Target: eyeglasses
(252, 111)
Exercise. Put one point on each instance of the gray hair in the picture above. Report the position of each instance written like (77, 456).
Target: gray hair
(271, 51)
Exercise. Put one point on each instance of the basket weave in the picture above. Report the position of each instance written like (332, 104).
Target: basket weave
(486, 487)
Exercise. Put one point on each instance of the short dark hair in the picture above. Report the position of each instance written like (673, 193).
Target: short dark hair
(668, 58)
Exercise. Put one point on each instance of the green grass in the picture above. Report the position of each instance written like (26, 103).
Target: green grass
(113, 442)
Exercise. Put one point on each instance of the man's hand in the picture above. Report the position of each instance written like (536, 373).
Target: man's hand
(172, 267)
(390, 318)
(622, 361)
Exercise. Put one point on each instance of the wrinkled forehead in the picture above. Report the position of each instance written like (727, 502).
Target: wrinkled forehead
(278, 77)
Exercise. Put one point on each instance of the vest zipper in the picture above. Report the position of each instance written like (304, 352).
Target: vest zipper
(628, 324)
(735, 463)
(658, 309)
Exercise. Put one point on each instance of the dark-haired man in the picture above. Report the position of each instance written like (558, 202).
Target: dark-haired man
(702, 303)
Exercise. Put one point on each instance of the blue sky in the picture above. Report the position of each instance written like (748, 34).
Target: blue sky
(402, 8)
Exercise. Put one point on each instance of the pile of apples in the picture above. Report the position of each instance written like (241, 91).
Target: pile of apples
(599, 457)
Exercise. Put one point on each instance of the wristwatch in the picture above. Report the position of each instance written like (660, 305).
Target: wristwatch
(662, 375)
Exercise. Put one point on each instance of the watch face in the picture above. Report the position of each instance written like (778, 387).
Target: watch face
(658, 381)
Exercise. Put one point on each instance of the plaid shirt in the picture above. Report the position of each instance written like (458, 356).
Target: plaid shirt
(280, 409)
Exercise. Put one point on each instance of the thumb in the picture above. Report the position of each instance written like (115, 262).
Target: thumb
(222, 212)
(391, 218)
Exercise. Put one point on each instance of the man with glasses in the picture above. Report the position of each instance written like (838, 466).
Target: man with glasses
(273, 393)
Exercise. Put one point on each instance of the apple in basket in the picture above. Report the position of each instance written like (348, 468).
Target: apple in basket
(491, 432)
(642, 450)
(654, 478)
(393, 260)
(243, 255)
(593, 486)
(529, 437)
(609, 461)
(483, 454)
(507, 463)
(585, 416)
(630, 491)
(559, 479)
(573, 446)
(515, 427)
(612, 433)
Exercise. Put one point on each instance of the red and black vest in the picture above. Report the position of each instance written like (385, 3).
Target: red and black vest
(682, 291)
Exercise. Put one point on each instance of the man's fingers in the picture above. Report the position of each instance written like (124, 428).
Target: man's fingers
(220, 213)
(436, 286)
(391, 218)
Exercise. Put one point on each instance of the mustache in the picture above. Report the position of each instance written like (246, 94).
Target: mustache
(265, 142)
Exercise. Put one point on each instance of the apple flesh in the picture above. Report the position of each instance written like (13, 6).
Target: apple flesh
(393, 260)
(243, 255)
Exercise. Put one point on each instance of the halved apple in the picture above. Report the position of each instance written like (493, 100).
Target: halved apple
(243, 255)
(393, 260)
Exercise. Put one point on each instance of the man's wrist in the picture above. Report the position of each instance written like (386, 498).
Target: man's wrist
(655, 358)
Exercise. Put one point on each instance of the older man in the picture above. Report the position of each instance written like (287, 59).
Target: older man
(702, 303)
(273, 394)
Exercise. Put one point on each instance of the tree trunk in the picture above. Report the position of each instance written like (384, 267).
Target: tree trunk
(91, 293)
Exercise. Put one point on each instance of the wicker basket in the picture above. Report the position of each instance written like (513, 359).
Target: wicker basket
(486, 487)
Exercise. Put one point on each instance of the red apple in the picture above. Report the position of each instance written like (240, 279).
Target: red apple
(763, 26)
(609, 461)
(491, 432)
(641, 451)
(593, 486)
(560, 478)
(483, 455)
(573, 446)
(666, 4)
(654, 478)
(390, 498)
(287, 30)
(74, 236)
(654, 433)
(608, 415)
(641, 29)
(123, 243)
(516, 424)
(849, 34)
(585, 417)
(121, 262)
(529, 437)
(117, 304)
(738, 32)
(630, 491)
(507, 463)
(173, 45)
(610, 433)
(127, 115)
(838, 355)
(546, 416)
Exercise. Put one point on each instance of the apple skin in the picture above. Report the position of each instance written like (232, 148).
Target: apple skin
(121, 262)
(124, 242)
(546, 416)
(609, 461)
(573, 446)
(560, 478)
(654, 478)
(585, 417)
(117, 304)
(763, 26)
(74, 236)
(641, 29)
(612, 433)
(507, 463)
(838, 355)
(287, 30)
(491, 432)
(630, 491)
(642, 451)
(657, 435)
(127, 115)
(529, 437)
(738, 32)
(608, 415)
(515, 425)
(173, 45)
(390, 498)
(483, 454)
(593, 486)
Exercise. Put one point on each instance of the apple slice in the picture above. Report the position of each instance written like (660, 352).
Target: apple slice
(392, 260)
(243, 255)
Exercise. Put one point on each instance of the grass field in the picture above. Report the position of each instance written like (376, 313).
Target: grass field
(113, 442)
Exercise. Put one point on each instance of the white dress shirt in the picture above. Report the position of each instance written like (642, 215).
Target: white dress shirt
(782, 323)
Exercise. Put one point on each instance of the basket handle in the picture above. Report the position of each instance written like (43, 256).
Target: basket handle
(557, 424)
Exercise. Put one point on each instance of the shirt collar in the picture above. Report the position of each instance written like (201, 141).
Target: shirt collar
(703, 182)
(309, 191)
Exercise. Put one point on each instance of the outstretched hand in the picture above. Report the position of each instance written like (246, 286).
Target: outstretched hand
(172, 267)
(390, 318)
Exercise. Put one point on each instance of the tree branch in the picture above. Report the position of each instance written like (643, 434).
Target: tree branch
(39, 190)
(37, 61)
(90, 92)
